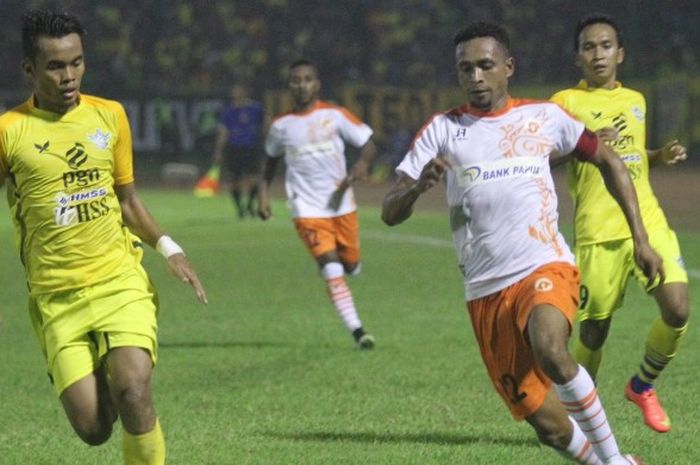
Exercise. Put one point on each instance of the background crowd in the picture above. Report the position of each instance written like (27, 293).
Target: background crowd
(193, 50)
(199, 46)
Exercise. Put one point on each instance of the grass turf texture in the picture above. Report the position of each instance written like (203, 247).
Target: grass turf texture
(266, 374)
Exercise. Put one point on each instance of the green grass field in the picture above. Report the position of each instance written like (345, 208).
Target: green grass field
(266, 374)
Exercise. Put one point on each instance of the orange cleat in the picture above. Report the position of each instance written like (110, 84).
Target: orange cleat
(654, 415)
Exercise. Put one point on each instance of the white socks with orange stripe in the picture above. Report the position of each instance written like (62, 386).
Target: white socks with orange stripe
(579, 449)
(340, 294)
(580, 399)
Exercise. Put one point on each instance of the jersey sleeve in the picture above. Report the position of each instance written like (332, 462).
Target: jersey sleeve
(352, 129)
(3, 153)
(559, 98)
(569, 130)
(273, 141)
(123, 150)
(586, 146)
(424, 148)
(7, 140)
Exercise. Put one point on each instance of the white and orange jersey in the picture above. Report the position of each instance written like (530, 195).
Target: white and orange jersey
(503, 206)
(313, 145)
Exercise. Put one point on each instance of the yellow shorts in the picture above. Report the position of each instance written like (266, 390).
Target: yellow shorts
(323, 235)
(606, 268)
(500, 321)
(76, 328)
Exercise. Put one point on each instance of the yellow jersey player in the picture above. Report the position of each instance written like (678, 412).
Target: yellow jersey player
(603, 243)
(66, 158)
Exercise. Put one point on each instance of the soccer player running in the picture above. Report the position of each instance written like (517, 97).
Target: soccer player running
(237, 147)
(67, 160)
(520, 279)
(603, 244)
(312, 140)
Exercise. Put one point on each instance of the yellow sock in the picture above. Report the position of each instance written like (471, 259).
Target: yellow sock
(144, 449)
(662, 344)
(589, 359)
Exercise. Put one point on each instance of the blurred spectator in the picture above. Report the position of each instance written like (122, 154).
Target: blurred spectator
(199, 46)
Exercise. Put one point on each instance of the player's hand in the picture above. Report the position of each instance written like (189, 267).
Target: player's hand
(336, 199)
(650, 263)
(431, 174)
(673, 152)
(337, 196)
(359, 171)
(608, 134)
(181, 268)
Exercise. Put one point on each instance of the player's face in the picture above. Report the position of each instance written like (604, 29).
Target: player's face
(56, 72)
(305, 85)
(483, 69)
(239, 93)
(599, 54)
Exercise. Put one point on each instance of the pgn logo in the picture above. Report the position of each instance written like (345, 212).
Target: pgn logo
(80, 178)
(76, 156)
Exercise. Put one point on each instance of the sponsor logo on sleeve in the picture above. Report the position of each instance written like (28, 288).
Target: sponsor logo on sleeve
(544, 285)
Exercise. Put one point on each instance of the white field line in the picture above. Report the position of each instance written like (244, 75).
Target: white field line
(405, 238)
(435, 242)
(429, 241)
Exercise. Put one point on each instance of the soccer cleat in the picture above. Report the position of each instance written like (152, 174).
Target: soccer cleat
(366, 342)
(654, 415)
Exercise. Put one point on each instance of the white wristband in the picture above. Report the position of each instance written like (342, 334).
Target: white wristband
(166, 246)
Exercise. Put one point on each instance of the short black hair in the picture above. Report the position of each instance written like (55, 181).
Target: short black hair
(301, 62)
(596, 18)
(37, 23)
(484, 29)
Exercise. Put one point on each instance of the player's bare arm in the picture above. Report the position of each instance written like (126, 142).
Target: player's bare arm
(359, 172)
(268, 175)
(398, 203)
(608, 134)
(140, 221)
(360, 169)
(219, 143)
(619, 184)
(671, 153)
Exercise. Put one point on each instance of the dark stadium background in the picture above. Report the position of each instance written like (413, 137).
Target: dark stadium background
(171, 62)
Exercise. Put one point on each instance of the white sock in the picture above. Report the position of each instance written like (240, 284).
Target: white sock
(580, 398)
(340, 295)
(579, 449)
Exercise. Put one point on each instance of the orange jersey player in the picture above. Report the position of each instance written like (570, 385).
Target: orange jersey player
(521, 284)
(312, 139)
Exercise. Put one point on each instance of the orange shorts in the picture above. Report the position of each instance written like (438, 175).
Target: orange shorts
(323, 235)
(500, 322)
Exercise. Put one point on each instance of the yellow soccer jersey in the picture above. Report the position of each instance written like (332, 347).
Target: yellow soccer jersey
(60, 173)
(598, 218)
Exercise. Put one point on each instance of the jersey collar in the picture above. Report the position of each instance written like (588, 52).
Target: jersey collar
(583, 85)
(510, 103)
(50, 115)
